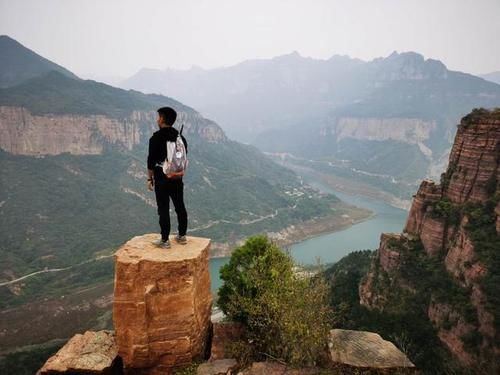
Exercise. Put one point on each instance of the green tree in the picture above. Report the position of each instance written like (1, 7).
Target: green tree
(286, 313)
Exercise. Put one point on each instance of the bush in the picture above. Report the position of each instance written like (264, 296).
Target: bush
(444, 208)
(287, 316)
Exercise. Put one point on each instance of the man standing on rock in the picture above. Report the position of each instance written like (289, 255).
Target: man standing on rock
(166, 187)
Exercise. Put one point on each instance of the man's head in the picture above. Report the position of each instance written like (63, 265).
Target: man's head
(166, 116)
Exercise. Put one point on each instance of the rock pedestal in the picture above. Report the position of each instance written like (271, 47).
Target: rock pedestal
(162, 304)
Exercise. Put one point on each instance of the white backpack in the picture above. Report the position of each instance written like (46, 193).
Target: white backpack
(176, 160)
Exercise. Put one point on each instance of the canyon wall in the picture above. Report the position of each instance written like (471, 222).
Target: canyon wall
(406, 130)
(457, 223)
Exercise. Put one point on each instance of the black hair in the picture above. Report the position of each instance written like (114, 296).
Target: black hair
(169, 115)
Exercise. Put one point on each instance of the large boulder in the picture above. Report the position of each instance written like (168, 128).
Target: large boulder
(162, 304)
(90, 353)
(367, 350)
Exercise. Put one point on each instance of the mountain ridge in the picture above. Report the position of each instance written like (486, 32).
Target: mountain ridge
(299, 106)
(18, 63)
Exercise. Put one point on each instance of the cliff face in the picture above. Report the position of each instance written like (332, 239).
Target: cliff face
(407, 130)
(456, 225)
(26, 134)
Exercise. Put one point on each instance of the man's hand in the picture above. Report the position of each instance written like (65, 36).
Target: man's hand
(150, 182)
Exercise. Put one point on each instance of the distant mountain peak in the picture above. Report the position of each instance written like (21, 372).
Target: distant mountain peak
(409, 65)
(288, 56)
(407, 55)
(344, 59)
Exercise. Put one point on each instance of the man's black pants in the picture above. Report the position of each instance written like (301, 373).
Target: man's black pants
(165, 189)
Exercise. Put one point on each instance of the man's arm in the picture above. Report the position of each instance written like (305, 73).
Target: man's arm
(150, 159)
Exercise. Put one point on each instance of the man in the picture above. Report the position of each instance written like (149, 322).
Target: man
(166, 187)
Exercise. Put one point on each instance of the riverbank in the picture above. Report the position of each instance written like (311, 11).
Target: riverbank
(322, 225)
(345, 216)
(348, 186)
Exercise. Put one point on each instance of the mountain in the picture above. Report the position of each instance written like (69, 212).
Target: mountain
(255, 95)
(73, 158)
(492, 77)
(90, 142)
(387, 123)
(18, 63)
(435, 285)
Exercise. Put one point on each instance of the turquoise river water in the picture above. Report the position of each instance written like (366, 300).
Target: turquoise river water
(330, 247)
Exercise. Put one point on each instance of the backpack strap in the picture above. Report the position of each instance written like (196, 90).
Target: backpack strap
(182, 128)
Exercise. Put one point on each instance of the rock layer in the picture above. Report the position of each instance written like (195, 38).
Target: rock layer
(24, 133)
(162, 304)
(474, 160)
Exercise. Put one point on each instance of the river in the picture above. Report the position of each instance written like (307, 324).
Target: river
(330, 247)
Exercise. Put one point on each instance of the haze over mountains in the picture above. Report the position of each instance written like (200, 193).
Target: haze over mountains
(74, 153)
(388, 122)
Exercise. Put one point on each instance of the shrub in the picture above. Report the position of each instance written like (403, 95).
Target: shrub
(286, 315)
(444, 208)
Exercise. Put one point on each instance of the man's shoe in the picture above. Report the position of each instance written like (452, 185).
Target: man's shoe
(165, 244)
(181, 239)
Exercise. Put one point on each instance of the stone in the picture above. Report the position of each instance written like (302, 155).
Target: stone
(223, 333)
(90, 353)
(225, 366)
(275, 368)
(365, 350)
(162, 304)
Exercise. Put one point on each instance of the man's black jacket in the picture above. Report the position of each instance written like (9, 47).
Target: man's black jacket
(158, 145)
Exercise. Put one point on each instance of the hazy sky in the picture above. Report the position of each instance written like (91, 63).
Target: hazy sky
(119, 37)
